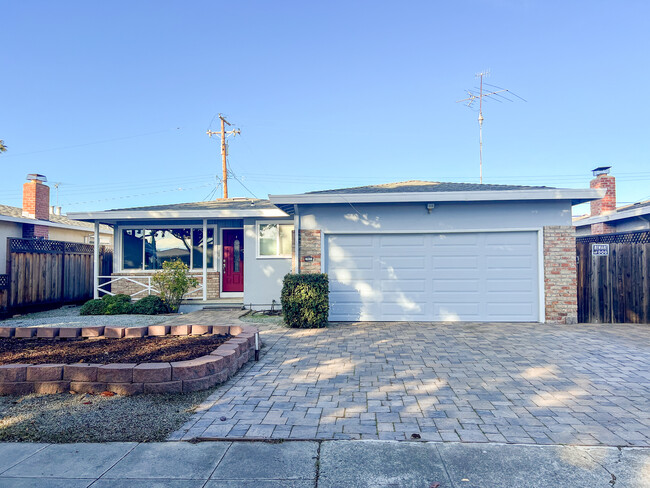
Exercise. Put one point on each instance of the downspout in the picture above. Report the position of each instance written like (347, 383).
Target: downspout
(296, 238)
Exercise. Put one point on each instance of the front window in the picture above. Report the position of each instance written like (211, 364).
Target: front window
(275, 240)
(148, 249)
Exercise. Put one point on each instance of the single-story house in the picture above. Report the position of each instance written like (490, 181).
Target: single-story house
(605, 217)
(37, 219)
(409, 251)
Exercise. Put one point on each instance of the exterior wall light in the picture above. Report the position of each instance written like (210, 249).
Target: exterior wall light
(430, 207)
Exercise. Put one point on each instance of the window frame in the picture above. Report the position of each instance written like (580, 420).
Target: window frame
(122, 228)
(260, 223)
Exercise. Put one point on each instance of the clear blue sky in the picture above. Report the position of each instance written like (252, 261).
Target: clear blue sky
(112, 99)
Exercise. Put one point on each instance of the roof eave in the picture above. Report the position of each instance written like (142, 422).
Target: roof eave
(576, 196)
(47, 223)
(625, 214)
(113, 215)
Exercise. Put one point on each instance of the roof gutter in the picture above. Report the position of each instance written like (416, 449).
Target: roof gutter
(576, 196)
(111, 215)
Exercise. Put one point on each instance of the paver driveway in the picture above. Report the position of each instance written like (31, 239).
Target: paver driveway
(520, 383)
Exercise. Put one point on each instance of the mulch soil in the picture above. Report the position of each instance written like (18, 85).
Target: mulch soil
(135, 350)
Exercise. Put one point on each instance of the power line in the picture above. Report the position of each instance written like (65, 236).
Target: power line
(104, 141)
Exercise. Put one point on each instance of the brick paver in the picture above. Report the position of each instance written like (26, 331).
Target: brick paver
(515, 383)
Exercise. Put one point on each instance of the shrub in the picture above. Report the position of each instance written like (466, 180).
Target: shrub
(305, 300)
(173, 282)
(93, 307)
(117, 304)
(151, 305)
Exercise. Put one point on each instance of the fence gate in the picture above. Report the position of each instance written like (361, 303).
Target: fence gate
(614, 278)
(43, 273)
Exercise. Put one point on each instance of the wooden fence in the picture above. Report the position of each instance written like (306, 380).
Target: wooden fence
(44, 274)
(614, 278)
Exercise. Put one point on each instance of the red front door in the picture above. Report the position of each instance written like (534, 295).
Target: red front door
(233, 260)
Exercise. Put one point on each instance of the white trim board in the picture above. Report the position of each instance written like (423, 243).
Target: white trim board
(111, 215)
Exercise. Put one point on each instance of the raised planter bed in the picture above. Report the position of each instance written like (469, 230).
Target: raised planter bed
(129, 378)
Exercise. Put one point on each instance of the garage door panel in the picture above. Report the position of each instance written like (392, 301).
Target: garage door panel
(456, 285)
(501, 262)
(509, 309)
(408, 308)
(509, 285)
(453, 311)
(402, 262)
(404, 286)
(461, 277)
(455, 262)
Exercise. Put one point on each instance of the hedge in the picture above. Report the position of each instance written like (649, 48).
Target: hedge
(305, 300)
(121, 304)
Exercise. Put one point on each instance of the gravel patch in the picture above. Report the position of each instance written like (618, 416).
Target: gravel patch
(261, 318)
(95, 418)
(69, 317)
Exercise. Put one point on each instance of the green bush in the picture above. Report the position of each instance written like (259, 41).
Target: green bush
(117, 304)
(173, 282)
(151, 305)
(107, 305)
(305, 300)
(93, 307)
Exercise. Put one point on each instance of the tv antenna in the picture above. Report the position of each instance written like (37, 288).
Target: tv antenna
(472, 97)
(223, 133)
(56, 188)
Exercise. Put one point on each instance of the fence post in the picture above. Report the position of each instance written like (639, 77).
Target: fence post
(96, 261)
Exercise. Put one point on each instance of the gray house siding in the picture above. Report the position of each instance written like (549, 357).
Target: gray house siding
(444, 217)
(7, 229)
(262, 276)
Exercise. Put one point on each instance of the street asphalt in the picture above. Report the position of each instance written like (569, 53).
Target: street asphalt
(324, 464)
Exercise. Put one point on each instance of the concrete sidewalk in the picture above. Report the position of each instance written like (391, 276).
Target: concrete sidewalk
(325, 464)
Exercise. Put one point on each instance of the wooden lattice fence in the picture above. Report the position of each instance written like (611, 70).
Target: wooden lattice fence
(43, 273)
(614, 278)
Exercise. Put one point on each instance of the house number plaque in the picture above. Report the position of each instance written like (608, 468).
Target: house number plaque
(600, 249)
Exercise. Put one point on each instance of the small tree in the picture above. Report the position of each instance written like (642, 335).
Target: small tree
(173, 282)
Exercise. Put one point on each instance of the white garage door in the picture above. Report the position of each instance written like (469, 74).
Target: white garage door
(439, 277)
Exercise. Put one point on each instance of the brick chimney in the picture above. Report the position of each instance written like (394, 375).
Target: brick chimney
(607, 204)
(36, 205)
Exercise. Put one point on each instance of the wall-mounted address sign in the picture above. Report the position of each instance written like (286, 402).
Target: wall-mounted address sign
(308, 259)
(600, 249)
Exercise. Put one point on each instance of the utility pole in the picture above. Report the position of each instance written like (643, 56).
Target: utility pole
(223, 133)
(472, 97)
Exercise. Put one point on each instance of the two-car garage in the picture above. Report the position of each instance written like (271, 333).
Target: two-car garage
(462, 276)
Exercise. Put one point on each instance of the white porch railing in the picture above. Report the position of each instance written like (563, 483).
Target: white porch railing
(146, 288)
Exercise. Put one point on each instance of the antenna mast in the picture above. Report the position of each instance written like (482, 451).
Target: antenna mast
(472, 97)
(223, 133)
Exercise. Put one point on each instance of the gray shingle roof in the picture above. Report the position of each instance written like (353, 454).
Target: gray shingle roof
(17, 212)
(426, 186)
(229, 204)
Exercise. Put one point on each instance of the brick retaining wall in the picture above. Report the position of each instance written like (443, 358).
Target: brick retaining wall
(129, 378)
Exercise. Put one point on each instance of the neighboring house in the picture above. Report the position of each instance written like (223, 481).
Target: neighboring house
(410, 251)
(38, 220)
(605, 217)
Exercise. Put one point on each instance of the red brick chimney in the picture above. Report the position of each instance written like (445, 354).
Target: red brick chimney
(607, 204)
(36, 205)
